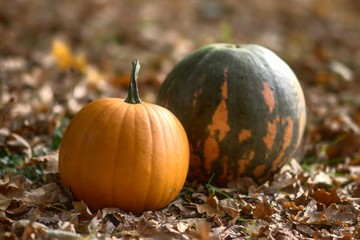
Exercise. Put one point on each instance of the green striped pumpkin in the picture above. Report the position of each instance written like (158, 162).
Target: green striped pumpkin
(242, 107)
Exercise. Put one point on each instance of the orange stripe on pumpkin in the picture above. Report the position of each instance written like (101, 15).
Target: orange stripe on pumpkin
(225, 176)
(269, 138)
(259, 170)
(242, 165)
(244, 134)
(211, 152)
(287, 140)
(244, 162)
(220, 121)
(218, 126)
(268, 96)
(288, 131)
(220, 117)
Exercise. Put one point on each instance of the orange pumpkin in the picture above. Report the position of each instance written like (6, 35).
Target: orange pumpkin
(125, 154)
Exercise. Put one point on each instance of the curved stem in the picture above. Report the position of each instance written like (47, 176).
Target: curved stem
(133, 92)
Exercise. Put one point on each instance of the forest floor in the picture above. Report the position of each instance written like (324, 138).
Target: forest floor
(316, 196)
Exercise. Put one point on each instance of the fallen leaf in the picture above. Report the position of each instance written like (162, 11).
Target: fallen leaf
(46, 194)
(15, 143)
(182, 227)
(213, 201)
(66, 59)
(230, 207)
(14, 186)
(63, 55)
(263, 209)
(325, 197)
(291, 205)
(208, 210)
(4, 202)
(82, 210)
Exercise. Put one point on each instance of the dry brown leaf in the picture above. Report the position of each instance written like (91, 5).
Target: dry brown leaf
(325, 197)
(185, 209)
(208, 210)
(311, 214)
(15, 143)
(50, 165)
(305, 229)
(263, 209)
(334, 215)
(4, 202)
(291, 205)
(230, 206)
(341, 214)
(213, 201)
(14, 186)
(287, 178)
(46, 194)
(82, 210)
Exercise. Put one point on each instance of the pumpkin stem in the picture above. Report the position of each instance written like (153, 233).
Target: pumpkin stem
(133, 92)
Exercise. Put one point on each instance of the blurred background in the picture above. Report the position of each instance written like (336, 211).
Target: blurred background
(55, 56)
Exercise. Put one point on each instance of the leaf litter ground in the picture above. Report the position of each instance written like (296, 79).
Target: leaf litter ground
(56, 58)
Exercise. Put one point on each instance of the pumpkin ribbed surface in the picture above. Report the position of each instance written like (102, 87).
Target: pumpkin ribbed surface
(126, 156)
(242, 107)
(120, 154)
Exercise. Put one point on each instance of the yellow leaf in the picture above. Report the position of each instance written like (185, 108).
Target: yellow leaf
(62, 54)
(80, 63)
(93, 76)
